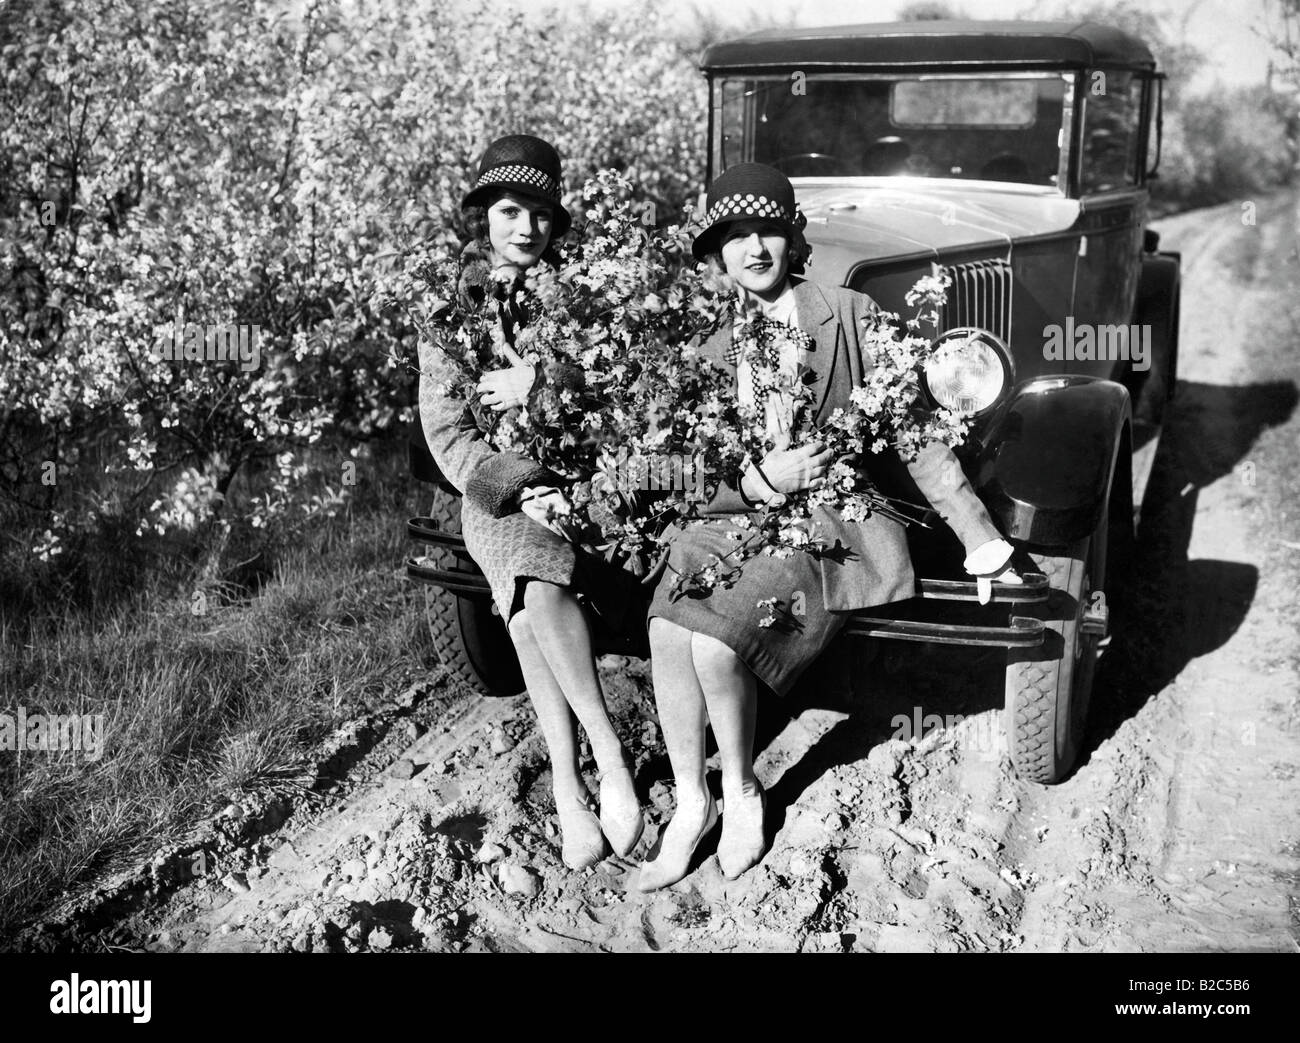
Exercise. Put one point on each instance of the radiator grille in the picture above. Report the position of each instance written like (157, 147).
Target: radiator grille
(980, 295)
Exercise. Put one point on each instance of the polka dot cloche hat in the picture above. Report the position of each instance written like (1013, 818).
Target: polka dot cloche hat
(748, 190)
(525, 165)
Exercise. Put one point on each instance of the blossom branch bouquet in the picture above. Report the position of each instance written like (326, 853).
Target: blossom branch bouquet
(886, 412)
(640, 426)
(619, 405)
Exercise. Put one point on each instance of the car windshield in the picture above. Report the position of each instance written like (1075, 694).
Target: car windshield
(997, 128)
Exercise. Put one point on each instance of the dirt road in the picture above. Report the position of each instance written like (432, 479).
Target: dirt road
(1180, 829)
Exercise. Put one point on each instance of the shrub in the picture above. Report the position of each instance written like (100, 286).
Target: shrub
(1224, 145)
(228, 163)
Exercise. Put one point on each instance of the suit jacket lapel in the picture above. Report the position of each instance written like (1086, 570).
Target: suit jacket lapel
(815, 319)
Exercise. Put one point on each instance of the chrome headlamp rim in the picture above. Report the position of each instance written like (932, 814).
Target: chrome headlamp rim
(1000, 351)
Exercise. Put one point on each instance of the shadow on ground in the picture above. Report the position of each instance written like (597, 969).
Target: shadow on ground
(1172, 611)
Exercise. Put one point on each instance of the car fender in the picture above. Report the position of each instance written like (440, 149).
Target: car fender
(1047, 457)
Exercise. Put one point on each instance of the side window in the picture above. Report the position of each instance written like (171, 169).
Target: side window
(1155, 110)
(734, 111)
(1112, 104)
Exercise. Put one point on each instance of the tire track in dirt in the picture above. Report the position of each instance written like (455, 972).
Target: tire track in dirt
(1178, 832)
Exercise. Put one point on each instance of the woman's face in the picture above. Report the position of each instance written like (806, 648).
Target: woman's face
(756, 255)
(518, 230)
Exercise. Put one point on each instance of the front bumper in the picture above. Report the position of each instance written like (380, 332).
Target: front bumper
(1020, 631)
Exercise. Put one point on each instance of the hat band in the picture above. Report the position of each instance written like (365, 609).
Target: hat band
(747, 205)
(519, 174)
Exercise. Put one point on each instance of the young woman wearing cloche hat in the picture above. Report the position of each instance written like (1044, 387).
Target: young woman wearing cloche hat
(514, 214)
(710, 652)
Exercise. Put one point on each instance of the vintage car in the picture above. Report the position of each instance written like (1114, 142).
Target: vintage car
(1015, 156)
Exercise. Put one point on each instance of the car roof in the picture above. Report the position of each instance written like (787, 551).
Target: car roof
(934, 43)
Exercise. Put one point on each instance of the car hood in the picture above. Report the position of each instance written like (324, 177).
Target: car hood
(878, 218)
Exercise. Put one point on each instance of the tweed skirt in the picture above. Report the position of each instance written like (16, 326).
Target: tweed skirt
(800, 625)
(515, 549)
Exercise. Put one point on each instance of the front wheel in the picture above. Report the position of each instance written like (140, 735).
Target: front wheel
(470, 638)
(1048, 689)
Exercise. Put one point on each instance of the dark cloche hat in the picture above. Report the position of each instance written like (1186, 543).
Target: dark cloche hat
(748, 190)
(525, 165)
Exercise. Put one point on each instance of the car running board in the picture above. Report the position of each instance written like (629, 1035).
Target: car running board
(462, 584)
(425, 530)
(1022, 633)
(1033, 589)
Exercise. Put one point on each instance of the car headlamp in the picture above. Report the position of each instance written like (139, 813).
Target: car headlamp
(968, 370)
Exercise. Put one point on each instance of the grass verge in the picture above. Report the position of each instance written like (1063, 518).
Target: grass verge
(200, 698)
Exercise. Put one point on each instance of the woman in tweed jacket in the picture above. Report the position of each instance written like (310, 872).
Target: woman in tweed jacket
(534, 573)
(709, 653)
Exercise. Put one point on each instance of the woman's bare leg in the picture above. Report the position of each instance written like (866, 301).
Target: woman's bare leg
(731, 695)
(562, 637)
(682, 714)
(582, 841)
(683, 720)
(561, 632)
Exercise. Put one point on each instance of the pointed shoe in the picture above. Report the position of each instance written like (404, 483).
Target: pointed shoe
(743, 844)
(582, 843)
(621, 819)
(676, 852)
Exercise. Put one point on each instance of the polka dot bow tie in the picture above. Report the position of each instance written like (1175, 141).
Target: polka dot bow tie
(758, 342)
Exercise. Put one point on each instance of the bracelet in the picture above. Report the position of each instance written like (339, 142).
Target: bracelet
(767, 482)
(777, 498)
(740, 487)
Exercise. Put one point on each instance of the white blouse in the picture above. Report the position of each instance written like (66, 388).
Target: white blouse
(780, 408)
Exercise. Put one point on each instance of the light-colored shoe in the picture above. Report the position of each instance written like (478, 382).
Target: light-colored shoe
(621, 819)
(582, 843)
(676, 851)
(743, 844)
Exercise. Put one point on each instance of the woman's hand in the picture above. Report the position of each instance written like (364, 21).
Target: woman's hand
(785, 471)
(504, 389)
(547, 506)
(990, 563)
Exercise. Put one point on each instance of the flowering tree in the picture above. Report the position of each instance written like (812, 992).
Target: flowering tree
(233, 164)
